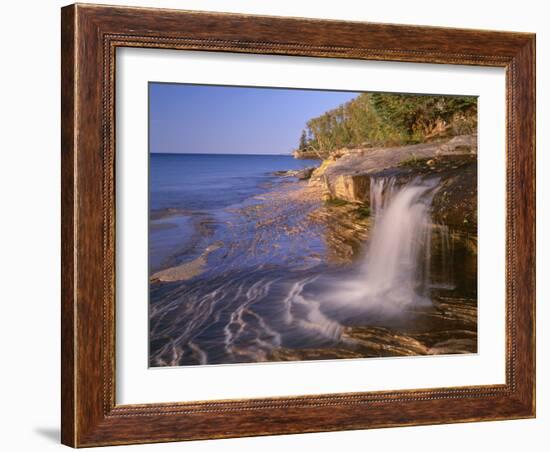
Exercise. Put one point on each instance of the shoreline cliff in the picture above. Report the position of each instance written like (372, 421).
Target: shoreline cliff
(346, 176)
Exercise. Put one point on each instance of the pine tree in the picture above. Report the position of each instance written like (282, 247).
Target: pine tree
(303, 141)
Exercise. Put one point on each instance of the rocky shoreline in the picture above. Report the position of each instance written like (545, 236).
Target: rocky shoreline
(343, 182)
(335, 196)
(339, 191)
(452, 330)
(347, 176)
(267, 288)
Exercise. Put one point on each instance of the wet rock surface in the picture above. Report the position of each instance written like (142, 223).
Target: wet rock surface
(346, 229)
(450, 327)
(302, 174)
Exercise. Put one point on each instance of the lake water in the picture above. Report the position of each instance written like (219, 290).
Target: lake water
(187, 188)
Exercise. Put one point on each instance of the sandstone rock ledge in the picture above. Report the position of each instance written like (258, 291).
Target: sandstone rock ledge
(347, 176)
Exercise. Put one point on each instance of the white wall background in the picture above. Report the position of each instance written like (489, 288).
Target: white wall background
(29, 230)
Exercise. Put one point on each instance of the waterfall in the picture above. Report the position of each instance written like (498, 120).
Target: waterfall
(397, 264)
(443, 277)
(395, 272)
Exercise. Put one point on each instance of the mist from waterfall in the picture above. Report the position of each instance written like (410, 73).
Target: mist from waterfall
(395, 272)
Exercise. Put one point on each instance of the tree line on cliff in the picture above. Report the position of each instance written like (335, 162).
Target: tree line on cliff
(380, 119)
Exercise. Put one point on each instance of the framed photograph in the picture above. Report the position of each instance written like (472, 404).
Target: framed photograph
(282, 225)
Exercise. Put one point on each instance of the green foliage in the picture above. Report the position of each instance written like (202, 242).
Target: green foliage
(303, 141)
(363, 211)
(413, 162)
(379, 119)
(335, 202)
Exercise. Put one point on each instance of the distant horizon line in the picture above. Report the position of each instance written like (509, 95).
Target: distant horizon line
(213, 153)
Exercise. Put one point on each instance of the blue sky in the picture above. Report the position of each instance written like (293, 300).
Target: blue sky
(232, 120)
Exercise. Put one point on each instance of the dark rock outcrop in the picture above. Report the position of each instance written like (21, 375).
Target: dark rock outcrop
(302, 174)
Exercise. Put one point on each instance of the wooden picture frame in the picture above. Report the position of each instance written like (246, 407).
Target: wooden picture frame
(90, 36)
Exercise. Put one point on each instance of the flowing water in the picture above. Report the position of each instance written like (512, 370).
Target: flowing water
(396, 269)
(266, 290)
